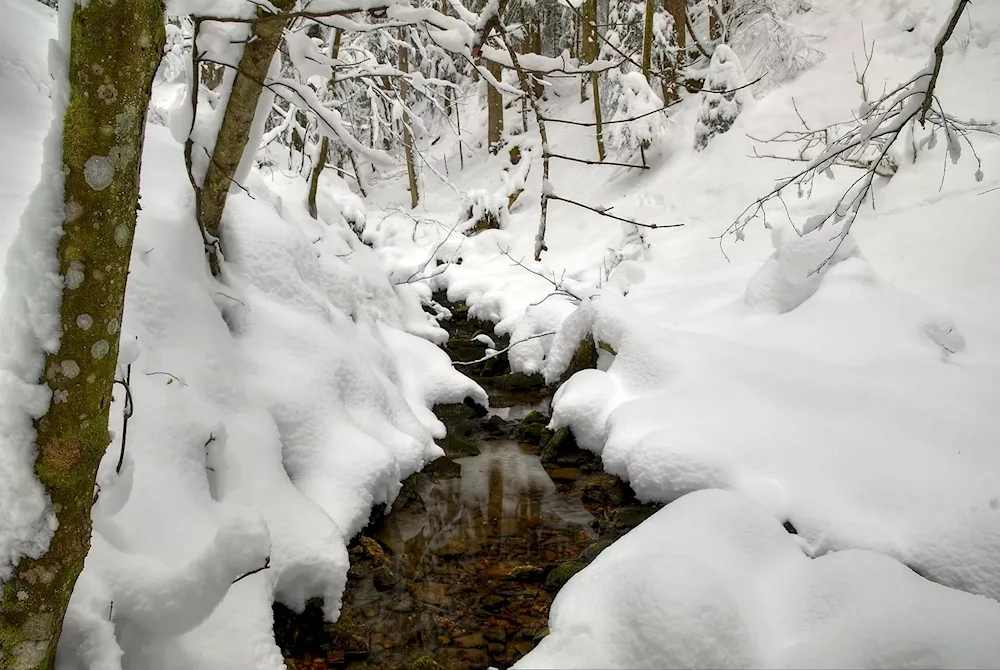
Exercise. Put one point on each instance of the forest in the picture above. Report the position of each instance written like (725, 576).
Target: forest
(414, 334)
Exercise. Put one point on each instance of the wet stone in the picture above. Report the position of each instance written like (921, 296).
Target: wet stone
(565, 474)
(470, 640)
(519, 381)
(532, 432)
(496, 634)
(443, 468)
(561, 574)
(591, 552)
(605, 489)
(349, 635)
(403, 606)
(528, 573)
(625, 519)
(384, 578)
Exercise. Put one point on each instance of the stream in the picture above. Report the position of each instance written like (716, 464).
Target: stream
(461, 571)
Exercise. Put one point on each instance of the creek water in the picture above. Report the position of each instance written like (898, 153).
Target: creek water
(461, 571)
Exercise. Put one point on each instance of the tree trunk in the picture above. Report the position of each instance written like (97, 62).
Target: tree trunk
(236, 124)
(404, 94)
(591, 50)
(716, 11)
(678, 10)
(103, 130)
(324, 151)
(647, 40)
(494, 100)
(324, 147)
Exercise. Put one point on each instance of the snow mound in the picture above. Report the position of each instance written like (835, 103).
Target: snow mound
(713, 580)
(790, 422)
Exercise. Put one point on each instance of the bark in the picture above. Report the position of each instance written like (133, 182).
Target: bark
(678, 10)
(321, 157)
(236, 124)
(647, 40)
(103, 130)
(591, 50)
(324, 148)
(522, 77)
(716, 23)
(404, 94)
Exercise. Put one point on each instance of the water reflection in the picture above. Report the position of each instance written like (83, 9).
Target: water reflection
(504, 502)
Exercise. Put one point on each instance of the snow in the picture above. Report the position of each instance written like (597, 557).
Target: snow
(859, 403)
(29, 326)
(713, 580)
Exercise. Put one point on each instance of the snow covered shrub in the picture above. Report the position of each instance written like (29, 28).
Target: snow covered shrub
(483, 211)
(719, 110)
(635, 98)
(625, 92)
(775, 49)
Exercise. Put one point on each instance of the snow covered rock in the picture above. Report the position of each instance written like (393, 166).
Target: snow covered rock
(713, 580)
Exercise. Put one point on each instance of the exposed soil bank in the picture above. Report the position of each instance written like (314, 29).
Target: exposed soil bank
(461, 572)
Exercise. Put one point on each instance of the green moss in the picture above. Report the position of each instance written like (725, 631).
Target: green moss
(561, 574)
(425, 663)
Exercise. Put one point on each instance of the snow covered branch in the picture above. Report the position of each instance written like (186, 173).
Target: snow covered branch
(865, 143)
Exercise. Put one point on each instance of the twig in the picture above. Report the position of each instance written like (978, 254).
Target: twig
(558, 285)
(589, 162)
(604, 212)
(650, 113)
(126, 413)
(505, 349)
(267, 564)
(174, 377)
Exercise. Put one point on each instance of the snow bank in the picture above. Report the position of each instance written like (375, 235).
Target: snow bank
(714, 581)
(271, 413)
(31, 287)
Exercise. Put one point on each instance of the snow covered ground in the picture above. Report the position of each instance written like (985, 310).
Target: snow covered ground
(861, 406)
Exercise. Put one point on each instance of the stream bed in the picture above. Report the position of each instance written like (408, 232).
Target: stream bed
(461, 571)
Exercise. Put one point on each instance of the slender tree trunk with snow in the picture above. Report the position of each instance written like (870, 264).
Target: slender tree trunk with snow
(647, 40)
(236, 123)
(591, 50)
(494, 99)
(324, 147)
(404, 94)
(103, 130)
(678, 10)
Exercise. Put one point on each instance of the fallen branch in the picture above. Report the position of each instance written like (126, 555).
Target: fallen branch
(604, 212)
(589, 162)
(505, 349)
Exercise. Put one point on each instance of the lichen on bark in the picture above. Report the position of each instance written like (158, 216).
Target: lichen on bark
(103, 129)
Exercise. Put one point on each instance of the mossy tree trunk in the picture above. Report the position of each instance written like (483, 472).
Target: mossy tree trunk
(647, 40)
(236, 124)
(324, 148)
(404, 94)
(103, 130)
(678, 10)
